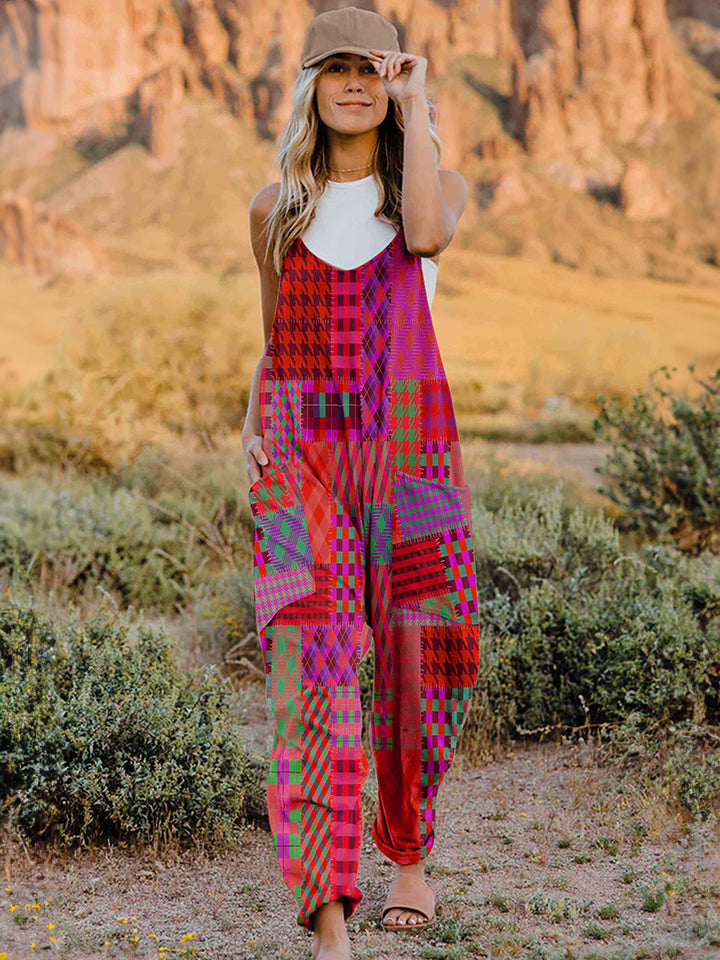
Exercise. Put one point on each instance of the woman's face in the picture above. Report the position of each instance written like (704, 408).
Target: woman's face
(347, 79)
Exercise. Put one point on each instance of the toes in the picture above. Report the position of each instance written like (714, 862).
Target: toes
(413, 918)
(396, 917)
(403, 918)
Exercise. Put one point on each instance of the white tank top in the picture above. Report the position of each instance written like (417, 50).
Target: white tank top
(346, 234)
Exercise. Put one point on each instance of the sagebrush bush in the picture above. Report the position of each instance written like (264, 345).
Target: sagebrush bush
(683, 759)
(230, 607)
(154, 552)
(104, 738)
(664, 468)
(574, 632)
(533, 534)
(76, 535)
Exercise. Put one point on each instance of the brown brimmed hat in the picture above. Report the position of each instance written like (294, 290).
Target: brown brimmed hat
(347, 30)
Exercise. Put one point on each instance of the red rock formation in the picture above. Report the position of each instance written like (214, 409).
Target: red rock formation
(701, 39)
(158, 97)
(708, 10)
(593, 72)
(585, 70)
(499, 146)
(47, 244)
(586, 74)
(644, 192)
(67, 63)
(510, 191)
(204, 34)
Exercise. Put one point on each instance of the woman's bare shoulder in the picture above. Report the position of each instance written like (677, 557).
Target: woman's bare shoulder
(264, 200)
(260, 207)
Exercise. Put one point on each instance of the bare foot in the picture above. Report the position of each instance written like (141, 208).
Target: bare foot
(330, 937)
(398, 916)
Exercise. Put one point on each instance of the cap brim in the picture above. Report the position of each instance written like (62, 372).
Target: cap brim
(363, 51)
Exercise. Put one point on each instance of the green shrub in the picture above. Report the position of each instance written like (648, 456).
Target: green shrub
(203, 498)
(150, 551)
(574, 632)
(104, 738)
(652, 898)
(682, 759)
(532, 535)
(665, 471)
(230, 606)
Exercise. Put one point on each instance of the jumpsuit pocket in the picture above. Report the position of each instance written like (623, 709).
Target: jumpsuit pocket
(433, 569)
(283, 569)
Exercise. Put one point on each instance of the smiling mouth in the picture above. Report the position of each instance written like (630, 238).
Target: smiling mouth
(354, 105)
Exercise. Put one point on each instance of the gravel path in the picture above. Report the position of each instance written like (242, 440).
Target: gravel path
(576, 460)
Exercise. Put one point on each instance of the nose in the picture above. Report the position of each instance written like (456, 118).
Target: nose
(356, 76)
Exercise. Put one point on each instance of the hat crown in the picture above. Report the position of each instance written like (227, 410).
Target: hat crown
(349, 30)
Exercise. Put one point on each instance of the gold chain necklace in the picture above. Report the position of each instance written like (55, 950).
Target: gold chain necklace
(347, 170)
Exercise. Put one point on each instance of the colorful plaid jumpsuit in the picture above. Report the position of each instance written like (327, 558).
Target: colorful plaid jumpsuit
(362, 534)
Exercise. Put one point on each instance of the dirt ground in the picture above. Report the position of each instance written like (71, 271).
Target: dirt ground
(542, 853)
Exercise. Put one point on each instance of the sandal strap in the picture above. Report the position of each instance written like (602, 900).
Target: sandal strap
(410, 893)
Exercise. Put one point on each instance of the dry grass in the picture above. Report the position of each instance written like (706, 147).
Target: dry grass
(121, 361)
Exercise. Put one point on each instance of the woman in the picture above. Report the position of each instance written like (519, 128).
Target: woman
(362, 515)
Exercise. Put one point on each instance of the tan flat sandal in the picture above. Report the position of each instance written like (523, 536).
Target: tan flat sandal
(408, 892)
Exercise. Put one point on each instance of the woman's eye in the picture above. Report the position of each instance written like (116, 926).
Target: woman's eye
(369, 68)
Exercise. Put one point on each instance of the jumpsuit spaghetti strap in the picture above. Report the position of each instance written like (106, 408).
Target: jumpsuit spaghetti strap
(362, 536)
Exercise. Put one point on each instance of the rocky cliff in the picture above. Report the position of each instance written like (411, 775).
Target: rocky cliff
(592, 72)
(584, 70)
(585, 76)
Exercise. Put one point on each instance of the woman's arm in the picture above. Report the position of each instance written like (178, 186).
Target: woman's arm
(433, 200)
(252, 439)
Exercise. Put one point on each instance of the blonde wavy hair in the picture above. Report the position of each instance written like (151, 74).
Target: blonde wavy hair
(303, 161)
